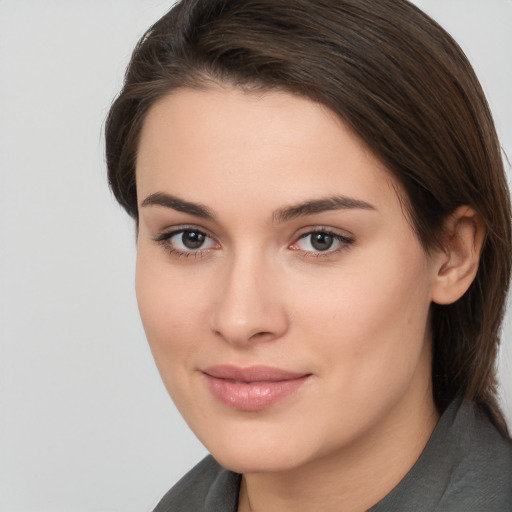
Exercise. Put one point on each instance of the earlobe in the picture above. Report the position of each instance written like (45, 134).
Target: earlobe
(457, 263)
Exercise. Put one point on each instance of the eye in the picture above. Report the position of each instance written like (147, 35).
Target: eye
(321, 241)
(187, 242)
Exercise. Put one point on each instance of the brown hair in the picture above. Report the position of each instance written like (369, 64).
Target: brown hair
(401, 83)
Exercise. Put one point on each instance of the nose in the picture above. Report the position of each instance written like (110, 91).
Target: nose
(250, 305)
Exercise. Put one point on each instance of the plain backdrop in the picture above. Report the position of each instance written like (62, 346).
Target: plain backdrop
(85, 423)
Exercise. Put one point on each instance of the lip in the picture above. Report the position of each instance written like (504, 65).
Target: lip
(252, 388)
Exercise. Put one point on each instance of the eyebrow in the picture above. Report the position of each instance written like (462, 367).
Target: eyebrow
(175, 203)
(310, 207)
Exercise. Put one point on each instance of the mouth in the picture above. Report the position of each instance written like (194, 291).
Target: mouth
(254, 388)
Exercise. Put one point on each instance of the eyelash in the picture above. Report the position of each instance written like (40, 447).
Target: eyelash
(165, 240)
(343, 241)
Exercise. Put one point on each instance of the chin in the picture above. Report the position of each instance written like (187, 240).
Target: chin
(257, 460)
(258, 451)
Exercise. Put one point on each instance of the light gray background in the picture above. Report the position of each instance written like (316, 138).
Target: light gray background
(85, 424)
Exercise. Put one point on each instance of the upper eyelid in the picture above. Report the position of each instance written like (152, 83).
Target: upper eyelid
(171, 231)
(323, 229)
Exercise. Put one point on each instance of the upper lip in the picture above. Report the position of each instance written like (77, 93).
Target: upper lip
(252, 373)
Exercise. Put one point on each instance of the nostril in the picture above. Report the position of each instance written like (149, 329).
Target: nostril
(261, 334)
(245, 337)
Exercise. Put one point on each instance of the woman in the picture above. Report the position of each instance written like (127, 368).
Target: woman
(323, 254)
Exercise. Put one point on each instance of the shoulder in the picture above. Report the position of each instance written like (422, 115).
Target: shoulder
(481, 473)
(465, 467)
(206, 487)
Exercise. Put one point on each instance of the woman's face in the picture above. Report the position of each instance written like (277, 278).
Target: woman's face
(284, 294)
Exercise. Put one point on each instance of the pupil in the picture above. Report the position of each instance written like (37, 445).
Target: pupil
(321, 241)
(192, 239)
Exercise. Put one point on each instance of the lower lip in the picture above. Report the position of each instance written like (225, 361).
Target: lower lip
(252, 396)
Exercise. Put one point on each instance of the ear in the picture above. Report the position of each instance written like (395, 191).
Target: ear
(457, 263)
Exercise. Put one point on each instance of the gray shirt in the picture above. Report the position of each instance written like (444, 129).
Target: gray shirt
(465, 467)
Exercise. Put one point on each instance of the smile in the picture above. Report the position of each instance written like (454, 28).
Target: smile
(254, 388)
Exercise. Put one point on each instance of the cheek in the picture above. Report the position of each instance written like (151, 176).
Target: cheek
(171, 314)
(170, 309)
(370, 318)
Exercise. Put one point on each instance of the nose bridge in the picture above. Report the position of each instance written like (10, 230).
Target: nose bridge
(250, 305)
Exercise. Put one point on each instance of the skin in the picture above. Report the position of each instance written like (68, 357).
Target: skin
(353, 317)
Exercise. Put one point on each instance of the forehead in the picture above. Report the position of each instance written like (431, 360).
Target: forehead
(211, 145)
